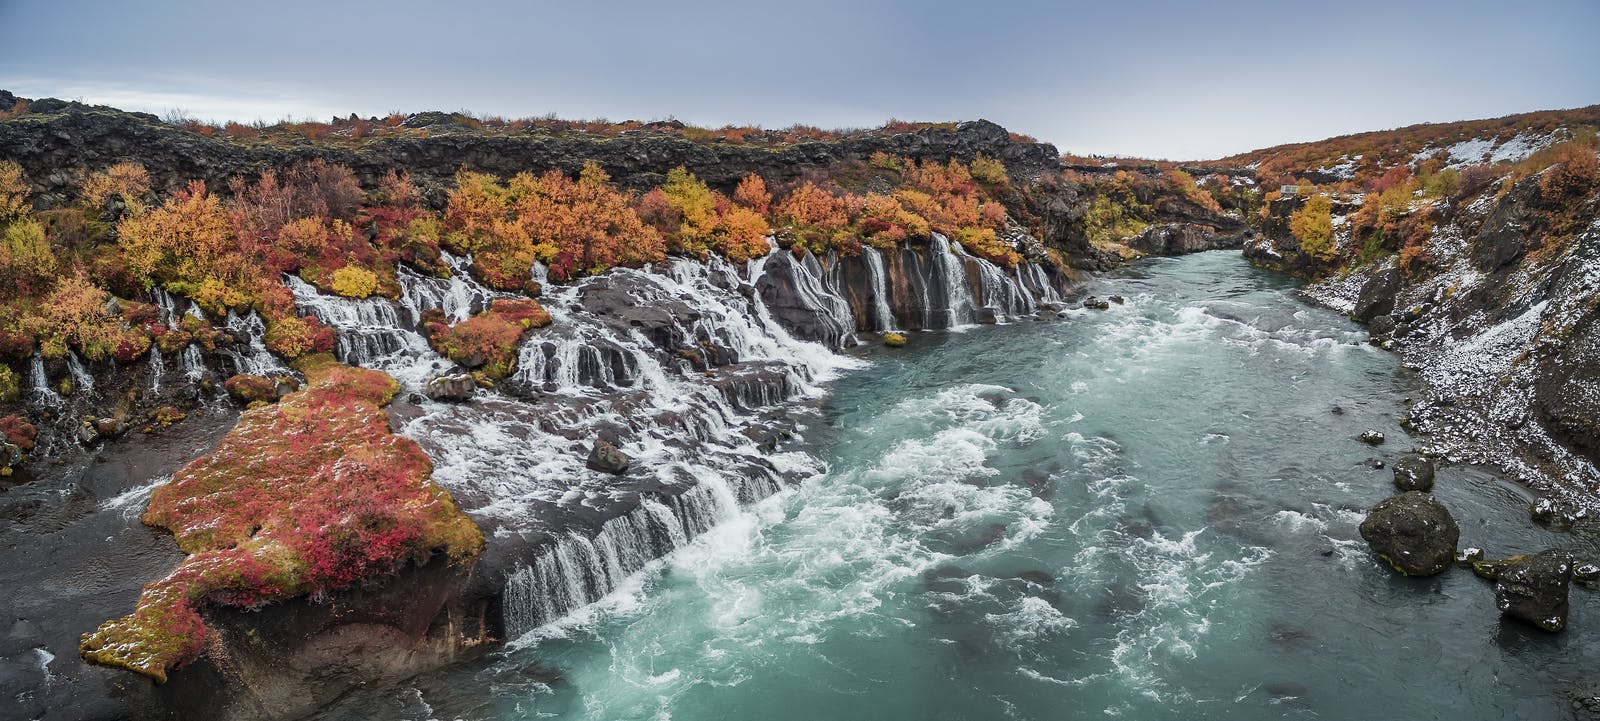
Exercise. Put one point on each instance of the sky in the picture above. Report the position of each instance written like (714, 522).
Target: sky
(1147, 78)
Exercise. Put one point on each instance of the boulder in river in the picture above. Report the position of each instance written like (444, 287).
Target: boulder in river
(605, 457)
(451, 387)
(1413, 532)
(1413, 472)
(1534, 589)
(1095, 303)
(1372, 437)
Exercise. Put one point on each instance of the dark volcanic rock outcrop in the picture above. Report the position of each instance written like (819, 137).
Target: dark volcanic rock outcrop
(57, 138)
(1412, 532)
(1184, 238)
(1534, 589)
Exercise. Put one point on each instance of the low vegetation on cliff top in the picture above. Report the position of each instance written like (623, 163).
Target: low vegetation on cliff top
(84, 273)
(311, 495)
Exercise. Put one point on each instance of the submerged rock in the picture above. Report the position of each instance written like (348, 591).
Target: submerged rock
(1413, 532)
(1534, 589)
(1413, 472)
(605, 457)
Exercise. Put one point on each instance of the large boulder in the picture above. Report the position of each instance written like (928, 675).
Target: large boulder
(1413, 532)
(451, 387)
(1413, 472)
(1534, 589)
(1377, 294)
(605, 457)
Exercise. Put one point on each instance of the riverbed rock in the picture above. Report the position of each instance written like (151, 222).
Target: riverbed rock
(1413, 532)
(1413, 472)
(1094, 303)
(1372, 437)
(451, 387)
(1587, 573)
(1535, 589)
(605, 457)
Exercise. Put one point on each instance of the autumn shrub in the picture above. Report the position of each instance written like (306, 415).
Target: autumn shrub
(354, 282)
(707, 221)
(989, 171)
(127, 182)
(10, 385)
(489, 340)
(574, 226)
(1312, 225)
(312, 495)
(13, 192)
(1573, 172)
(17, 431)
(752, 193)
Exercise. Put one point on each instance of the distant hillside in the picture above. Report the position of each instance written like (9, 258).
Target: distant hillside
(1361, 158)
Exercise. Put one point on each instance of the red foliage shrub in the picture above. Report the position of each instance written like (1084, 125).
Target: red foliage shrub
(17, 431)
(489, 340)
(314, 494)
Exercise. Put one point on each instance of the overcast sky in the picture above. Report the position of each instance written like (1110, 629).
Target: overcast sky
(1168, 79)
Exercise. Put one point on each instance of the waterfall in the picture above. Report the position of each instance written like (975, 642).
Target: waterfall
(458, 297)
(370, 331)
(249, 353)
(958, 305)
(82, 382)
(39, 383)
(680, 364)
(158, 368)
(192, 362)
(882, 316)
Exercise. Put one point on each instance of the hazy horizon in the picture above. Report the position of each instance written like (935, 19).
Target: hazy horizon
(1143, 79)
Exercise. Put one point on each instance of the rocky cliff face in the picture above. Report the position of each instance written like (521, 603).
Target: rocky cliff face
(55, 139)
(1498, 316)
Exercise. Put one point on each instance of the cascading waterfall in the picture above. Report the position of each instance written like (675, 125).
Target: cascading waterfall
(882, 316)
(370, 330)
(39, 383)
(458, 296)
(250, 354)
(679, 363)
(158, 368)
(82, 382)
(957, 302)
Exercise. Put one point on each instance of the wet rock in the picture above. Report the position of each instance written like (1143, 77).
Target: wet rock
(1413, 472)
(1490, 569)
(1552, 511)
(605, 457)
(1534, 589)
(987, 316)
(1371, 437)
(1587, 573)
(451, 387)
(1094, 303)
(1468, 556)
(1381, 327)
(1413, 532)
(92, 430)
(1119, 300)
